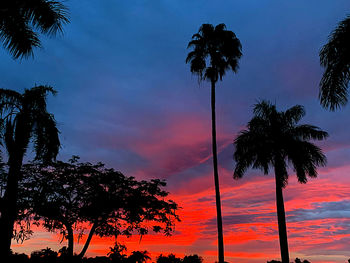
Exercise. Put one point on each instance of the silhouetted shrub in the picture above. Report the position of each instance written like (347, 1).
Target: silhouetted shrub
(43, 255)
(297, 260)
(171, 258)
(138, 257)
(192, 259)
(19, 258)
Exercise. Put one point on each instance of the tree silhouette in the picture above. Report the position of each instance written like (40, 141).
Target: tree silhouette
(117, 253)
(24, 118)
(274, 139)
(139, 257)
(21, 21)
(171, 258)
(43, 256)
(67, 196)
(222, 49)
(335, 58)
(192, 259)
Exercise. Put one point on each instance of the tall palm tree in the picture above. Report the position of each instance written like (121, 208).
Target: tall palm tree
(24, 118)
(215, 50)
(21, 21)
(335, 58)
(273, 139)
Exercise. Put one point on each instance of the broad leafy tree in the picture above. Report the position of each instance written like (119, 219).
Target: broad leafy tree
(215, 51)
(64, 195)
(21, 22)
(273, 139)
(335, 58)
(23, 119)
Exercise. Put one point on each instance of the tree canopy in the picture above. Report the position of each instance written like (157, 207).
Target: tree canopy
(66, 194)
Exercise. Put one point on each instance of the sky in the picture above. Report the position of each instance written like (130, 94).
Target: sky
(127, 98)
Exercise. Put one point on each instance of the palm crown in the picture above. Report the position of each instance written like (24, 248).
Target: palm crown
(22, 20)
(24, 116)
(335, 58)
(273, 138)
(221, 46)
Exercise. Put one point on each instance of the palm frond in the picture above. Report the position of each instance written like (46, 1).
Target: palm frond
(264, 109)
(294, 114)
(18, 38)
(21, 21)
(335, 58)
(47, 16)
(305, 157)
(309, 132)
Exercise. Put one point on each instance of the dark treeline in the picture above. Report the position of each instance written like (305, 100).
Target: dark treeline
(116, 255)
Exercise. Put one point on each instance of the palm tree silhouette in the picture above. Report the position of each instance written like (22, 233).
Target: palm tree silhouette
(21, 21)
(222, 49)
(335, 58)
(274, 139)
(24, 118)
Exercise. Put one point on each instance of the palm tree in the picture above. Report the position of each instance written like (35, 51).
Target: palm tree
(273, 139)
(21, 21)
(24, 118)
(215, 50)
(335, 58)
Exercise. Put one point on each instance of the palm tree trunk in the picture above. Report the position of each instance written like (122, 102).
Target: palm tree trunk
(9, 209)
(216, 177)
(281, 217)
(87, 243)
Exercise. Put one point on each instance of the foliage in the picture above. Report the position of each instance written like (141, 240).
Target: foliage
(21, 21)
(49, 256)
(274, 138)
(192, 259)
(64, 195)
(171, 258)
(43, 255)
(139, 257)
(220, 46)
(335, 58)
(117, 253)
(24, 117)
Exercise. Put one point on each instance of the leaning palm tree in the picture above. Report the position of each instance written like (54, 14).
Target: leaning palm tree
(335, 58)
(21, 21)
(23, 119)
(273, 139)
(215, 50)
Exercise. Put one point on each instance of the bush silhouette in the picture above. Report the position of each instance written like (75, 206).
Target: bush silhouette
(171, 258)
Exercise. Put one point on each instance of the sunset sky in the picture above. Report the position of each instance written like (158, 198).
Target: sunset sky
(127, 98)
